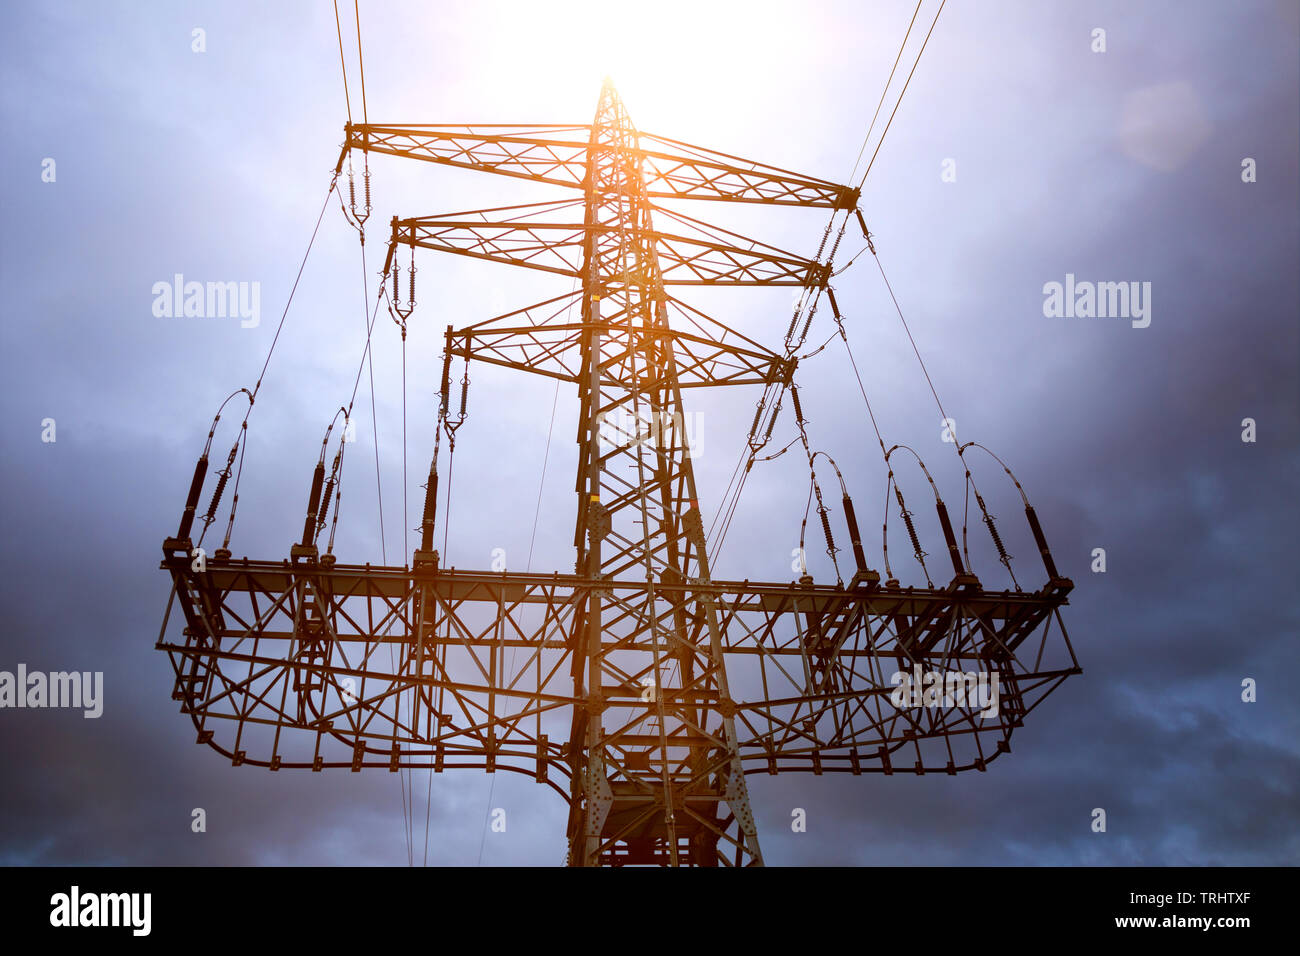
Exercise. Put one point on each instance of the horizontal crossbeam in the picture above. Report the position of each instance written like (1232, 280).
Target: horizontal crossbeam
(311, 665)
(561, 248)
(546, 338)
(559, 155)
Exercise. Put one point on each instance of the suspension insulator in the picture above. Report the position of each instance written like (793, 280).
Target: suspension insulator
(821, 246)
(808, 323)
(836, 246)
(325, 500)
(859, 556)
(445, 390)
(997, 540)
(366, 176)
(907, 521)
(798, 409)
(430, 508)
(826, 527)
(192, 499)
(222, 478)
(313, 504)
(1041, 541)
(772, 423)
(221, 484)
(758, 414)
(352, 191)
(911, 533)
(794, 320)
(410, 299)
(464, 392)
(949, 537)
(397, 295)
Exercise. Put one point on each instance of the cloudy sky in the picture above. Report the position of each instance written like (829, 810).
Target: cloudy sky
(1122, 165)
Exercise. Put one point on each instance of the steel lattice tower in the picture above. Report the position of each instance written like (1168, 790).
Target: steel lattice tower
(638, 687)
(684, 735)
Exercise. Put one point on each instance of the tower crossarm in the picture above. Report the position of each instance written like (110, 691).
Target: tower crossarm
(561, 248)
(546, 339)
(558, 154)
(304, 664)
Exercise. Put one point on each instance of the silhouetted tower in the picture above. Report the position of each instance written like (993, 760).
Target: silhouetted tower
(671, 725)
(638, 687)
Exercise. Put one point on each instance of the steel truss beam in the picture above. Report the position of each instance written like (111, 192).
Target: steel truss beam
(561, 155)
(546, 338)
(458, 669)
(561, 248)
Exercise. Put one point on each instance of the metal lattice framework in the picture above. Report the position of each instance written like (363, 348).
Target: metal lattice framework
(637, 687)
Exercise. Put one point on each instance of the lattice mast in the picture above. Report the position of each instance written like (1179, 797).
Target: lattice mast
(652, 675)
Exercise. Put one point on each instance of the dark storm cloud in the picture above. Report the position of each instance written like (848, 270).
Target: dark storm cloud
(1127, 439)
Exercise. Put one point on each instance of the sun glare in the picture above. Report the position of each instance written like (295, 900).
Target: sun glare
(665, 58)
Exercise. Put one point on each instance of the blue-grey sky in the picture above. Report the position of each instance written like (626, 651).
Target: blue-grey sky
(1123, 165)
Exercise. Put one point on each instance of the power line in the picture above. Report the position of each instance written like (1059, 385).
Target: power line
(283, 315)
(361, 60)
(885, 91)
(908, 330)
(901, 95)
(347, 99)
(727, 507)
(367, 361)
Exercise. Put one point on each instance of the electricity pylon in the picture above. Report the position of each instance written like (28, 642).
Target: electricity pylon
(638, 687)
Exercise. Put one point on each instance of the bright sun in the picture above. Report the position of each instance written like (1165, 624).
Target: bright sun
(664, 57)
